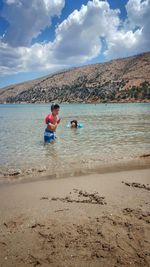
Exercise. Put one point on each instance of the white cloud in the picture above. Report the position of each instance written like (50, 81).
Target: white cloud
(37, 57)
(27, 18)
(123, 44)
(78, 38)
(134, 37)
(138, 11)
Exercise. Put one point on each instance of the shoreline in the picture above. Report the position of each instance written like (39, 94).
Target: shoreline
(96, 220)
(139, 163)
(132, 101)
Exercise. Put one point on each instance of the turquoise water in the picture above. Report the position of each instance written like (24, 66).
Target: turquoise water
(111, 132)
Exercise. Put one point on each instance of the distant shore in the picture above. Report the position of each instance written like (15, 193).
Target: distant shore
(82, 102)
(96, 220)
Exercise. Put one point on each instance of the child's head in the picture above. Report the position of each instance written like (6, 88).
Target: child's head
(74, 124)
(55, 109)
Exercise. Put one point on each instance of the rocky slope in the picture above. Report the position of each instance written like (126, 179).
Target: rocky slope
(119, 80)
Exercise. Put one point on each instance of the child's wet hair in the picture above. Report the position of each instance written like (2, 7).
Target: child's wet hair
(54, 106)
(75, 122)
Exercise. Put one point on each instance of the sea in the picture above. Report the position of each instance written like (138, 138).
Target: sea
(111, 133)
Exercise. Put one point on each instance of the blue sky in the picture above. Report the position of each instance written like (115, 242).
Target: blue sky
(38, 37)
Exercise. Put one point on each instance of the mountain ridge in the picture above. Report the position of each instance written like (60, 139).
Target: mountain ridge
(120, 80)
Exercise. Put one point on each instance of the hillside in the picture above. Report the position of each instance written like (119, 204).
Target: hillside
(120, 80)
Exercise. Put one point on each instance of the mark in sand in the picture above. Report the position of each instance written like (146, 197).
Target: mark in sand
(138, 185)
(80, 196)
(36, 225)
(138, 213)
(145, 156)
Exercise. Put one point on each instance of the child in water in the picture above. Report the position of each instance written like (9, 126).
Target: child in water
(52, 120)
(74, 124)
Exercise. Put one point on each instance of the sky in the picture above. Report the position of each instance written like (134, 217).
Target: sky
(38, 37)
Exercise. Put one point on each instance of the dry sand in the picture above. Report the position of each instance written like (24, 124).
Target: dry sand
(95, 220)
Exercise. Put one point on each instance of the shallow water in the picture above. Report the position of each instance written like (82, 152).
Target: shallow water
(111, 133)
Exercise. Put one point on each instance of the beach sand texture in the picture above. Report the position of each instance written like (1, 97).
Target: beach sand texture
(95, 220)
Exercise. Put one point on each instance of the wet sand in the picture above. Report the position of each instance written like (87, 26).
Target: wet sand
(93, 220)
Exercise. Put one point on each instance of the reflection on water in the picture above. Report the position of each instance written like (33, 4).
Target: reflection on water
(111, 133)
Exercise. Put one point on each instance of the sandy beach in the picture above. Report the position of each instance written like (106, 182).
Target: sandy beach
(92, 220)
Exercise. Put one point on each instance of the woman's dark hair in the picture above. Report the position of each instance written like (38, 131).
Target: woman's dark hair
(54, 106)
(75, 122)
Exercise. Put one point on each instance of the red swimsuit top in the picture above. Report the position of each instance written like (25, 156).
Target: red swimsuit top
(50, 119)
